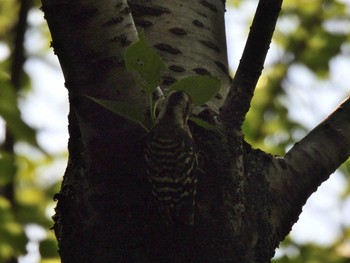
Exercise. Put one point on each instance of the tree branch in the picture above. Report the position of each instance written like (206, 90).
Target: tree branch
(90, 38)
(242, 88)
(90, 47)
(309, 163)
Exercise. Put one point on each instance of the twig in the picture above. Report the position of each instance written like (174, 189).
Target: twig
(251, 64)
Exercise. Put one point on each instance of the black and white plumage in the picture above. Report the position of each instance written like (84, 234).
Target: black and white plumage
(171, 160)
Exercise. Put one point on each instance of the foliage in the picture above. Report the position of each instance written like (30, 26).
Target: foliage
(124, 109)
(295, 253)
(146, 64)
(199, 88)
(147, 67)
(24, 198)
(12, 237)
(10, 112)
(301, 38)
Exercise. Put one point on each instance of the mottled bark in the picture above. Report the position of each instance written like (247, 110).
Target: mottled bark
(89, 38)
(192, 39)
(247, 199)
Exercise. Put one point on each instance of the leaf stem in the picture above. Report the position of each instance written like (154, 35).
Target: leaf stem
(152, 110)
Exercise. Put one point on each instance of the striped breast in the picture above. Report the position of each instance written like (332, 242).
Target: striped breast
(170, 159)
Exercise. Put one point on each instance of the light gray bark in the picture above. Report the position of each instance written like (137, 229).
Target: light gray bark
(294, 177)
(190, 36)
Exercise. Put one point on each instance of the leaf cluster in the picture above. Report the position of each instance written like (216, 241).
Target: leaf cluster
(147, 68)
(300, 253)
(24, 199)
(307, 36)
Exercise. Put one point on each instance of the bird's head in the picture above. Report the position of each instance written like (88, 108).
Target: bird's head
(176, 108)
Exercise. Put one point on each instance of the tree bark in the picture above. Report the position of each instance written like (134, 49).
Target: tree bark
(192, 39)
(105, 211)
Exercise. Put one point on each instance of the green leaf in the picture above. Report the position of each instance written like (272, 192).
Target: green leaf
(144, 62)
(7, 168)
(130, 112)
(12, 237)
(48, 248)
(12, 234)
(6, 214)
(199, 88)
(10, 112)
(202, 123)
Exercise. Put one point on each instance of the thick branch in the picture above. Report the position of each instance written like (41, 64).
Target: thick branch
(98, 189)
(89, 44)
(309, 163)
(242, 88)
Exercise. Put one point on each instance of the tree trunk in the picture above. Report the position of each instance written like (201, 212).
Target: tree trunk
(247, 200)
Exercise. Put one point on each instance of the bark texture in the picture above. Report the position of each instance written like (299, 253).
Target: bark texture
(192, 39)
(247, 200)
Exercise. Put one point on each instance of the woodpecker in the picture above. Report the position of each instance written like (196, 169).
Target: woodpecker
(171, 160)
